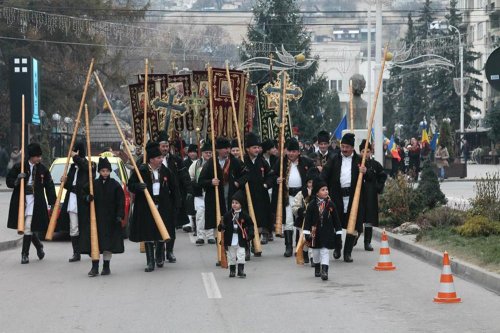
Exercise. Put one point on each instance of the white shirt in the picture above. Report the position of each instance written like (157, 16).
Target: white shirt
(165, 161)
(76, 175)
(234, 240)
(345, 171)
(294, 179)
(156, 185)
(222, 162)
(30, 180)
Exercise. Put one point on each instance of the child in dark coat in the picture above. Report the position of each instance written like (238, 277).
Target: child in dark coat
(320, 227)
(238, 229)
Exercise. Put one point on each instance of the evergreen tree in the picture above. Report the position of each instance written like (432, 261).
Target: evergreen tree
(446, 138)
(429, 191)
(277, 23)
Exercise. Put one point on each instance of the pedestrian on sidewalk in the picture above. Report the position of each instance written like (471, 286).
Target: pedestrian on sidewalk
(321, 226)
(238, 230)
(38, 185)
(15, 157)
(442, 157)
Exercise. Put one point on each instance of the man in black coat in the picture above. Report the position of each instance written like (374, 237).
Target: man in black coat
(183, 182)
(75, 210)
(38, 184)
(295, 169)
(161, 184)
(373, 184)
(260, 177)
(341, 174)
(192, 156)
(109, 202)
(324, 151)
(229, 170)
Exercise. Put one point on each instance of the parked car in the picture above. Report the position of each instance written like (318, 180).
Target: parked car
(119, 173)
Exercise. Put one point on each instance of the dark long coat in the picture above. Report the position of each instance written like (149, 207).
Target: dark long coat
(205, 180)
(142, 225)
(183, 183)
(82, 183)
(42, 186)
(109, 202)
(373, 184)
(257, 175)
(245, 232)
(326, 225)
(331, 174)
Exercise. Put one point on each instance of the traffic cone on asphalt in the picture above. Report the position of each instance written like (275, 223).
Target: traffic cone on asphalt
(384, 261)
(446, 293)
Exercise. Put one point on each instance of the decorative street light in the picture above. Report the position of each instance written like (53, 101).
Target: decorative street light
(476, 116)
(397, 128)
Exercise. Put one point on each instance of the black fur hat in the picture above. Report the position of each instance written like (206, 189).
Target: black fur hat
(152, 150)
(251, 139)
(267, 145)
(348, 139)
(192, 148)
(162, 136)
(323, 136)
(207, 146)
(34, 149)
(221, 143)
(103, 164)
(292, 144)
(240, 197)
(80, 148)
(318, 183)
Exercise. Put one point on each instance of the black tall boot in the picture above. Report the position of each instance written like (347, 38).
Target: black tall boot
(305, 254)
(247, 251)
(288, 243)
(94, 271)
(317, 269)
(38, 245)
(232, 270)
(160, 253)
(25, 252)
(263, 238)
(170, 251)
(105, 268)
(349, 243)
(337, 252)
(150, 256)
(324, 272)
(241, 271)
(75, 241)
(368, 238)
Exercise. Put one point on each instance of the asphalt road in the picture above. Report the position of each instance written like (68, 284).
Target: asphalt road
(193, 295)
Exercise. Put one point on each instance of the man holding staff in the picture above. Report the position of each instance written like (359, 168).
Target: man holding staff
(75, 210)
(38, 185)
(341, 174)
(159, 181)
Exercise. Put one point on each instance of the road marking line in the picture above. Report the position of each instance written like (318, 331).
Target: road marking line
(192, 238)
(211, 286)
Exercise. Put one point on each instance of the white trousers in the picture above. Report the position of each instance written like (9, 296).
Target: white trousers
(106, 255)
(27, 225)
(73, 224)
(199, 206)
(289, 214)
(321, 256)
(236, 254)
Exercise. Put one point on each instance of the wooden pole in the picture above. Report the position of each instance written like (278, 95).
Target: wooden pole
(57, 204)
(21, 208)
(279, 205)
(351, 108)
(256, 241)
(355, 201)
(154, 211)
(94, 240)
(146, 102)
(221, 253)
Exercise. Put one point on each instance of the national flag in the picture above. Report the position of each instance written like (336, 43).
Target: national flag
(341, 126)
(435, 141)
(425, 137)
(393, 149)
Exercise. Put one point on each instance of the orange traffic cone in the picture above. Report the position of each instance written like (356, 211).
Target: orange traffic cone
(384, 261)
(446, 293)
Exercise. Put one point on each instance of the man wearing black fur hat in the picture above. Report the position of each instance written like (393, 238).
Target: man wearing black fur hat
(183, 183)
(260, 178)
(161, 184)
(38, 184)
(192, 156)
(229, 170)
(373, 184)
(295, 168)
(341, 174)
(109, 202)
(235, 149)
(324, 152)
(75, 211)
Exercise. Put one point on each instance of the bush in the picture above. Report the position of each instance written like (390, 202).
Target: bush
(476, 226)
(487, 199)
(429, 189)
(400, 202)
(440, 217)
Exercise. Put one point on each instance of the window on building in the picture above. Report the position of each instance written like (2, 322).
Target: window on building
(336, 85)
(480, 31)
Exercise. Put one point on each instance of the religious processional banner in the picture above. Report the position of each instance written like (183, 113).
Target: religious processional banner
(182, 85)
(137, 100)
(268, 109)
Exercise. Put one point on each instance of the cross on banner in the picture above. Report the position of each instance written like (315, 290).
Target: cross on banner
(168, 105)
(275, 90)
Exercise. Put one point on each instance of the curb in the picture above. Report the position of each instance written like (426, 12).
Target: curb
(464, 270)
(10, 244)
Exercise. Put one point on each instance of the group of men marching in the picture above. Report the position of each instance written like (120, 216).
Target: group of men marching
(317, 197)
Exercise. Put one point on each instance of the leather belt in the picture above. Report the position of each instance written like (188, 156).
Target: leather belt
(28, 189)
(292, 191)
(345, 191)
(156, 199)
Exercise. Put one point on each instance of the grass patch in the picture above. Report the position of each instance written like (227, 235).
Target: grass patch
(481, 251)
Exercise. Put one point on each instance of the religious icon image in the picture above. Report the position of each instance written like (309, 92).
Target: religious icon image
(203, 92)
(179, 88)
(141, 100)
(224, 88)
(271, 104)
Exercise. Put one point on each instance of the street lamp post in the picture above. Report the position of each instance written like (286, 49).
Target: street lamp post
(56, 117)
(476, 116)
(461, 59)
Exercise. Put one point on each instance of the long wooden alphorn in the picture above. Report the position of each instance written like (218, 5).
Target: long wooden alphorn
(57, 204)
(251, 211)
(279, 205)
(154, 211)
(21, 208)
(221, 252)
(351, 224)
(142, 246)
(94, 240)
(351, 108)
